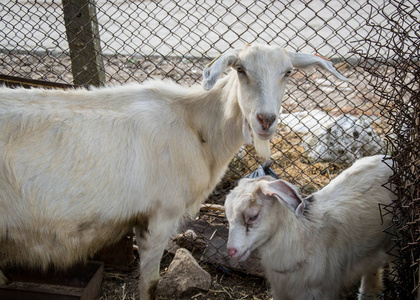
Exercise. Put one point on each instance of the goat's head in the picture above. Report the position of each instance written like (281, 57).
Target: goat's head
(254, 213)
(262, 73)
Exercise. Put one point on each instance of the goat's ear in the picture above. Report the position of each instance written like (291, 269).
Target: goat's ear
(285, 193)
(301, 60)
(213, 70)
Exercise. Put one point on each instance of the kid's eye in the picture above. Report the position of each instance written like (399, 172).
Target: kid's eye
(253, 218)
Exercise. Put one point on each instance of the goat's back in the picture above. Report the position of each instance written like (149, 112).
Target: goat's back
(79, 168)
(351, 209)
(365, 182)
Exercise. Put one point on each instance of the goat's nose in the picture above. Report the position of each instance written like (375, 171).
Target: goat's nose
(232, 251)
(266, 120)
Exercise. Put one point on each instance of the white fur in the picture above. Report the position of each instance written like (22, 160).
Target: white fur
(79, 168)
(311, 248)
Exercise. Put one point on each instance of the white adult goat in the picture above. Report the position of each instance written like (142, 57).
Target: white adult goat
(79, 168)
(310, 248)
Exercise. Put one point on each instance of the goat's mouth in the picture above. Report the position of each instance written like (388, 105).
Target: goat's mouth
(264, 135)
(242, 257)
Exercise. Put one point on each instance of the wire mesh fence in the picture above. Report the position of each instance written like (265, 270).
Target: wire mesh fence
(325, 124)
(396, 79)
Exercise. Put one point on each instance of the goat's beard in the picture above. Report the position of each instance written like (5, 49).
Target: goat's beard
(262, 147)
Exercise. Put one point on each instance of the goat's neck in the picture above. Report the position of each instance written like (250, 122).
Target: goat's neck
(231, 116)
(292, 241)
(217, 118)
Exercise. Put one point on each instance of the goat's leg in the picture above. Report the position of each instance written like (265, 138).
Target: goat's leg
(151, 243)
(3, 279)
(371, 286)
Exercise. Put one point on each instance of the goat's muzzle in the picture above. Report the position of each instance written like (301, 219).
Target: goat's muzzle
(266, 120)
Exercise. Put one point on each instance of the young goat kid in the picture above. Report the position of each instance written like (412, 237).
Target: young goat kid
(310, 248)
(80, 168)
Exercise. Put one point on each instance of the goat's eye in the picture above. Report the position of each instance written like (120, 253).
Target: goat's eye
(253, 218)
(288, 73)
(240, 70)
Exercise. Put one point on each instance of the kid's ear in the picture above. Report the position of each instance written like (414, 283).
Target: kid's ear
(285, 193)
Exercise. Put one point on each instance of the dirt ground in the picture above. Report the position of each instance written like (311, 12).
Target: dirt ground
(119, 285)
(233, 285)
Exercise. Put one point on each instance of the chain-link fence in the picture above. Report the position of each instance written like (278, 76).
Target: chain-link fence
(394, 67)
(325, 124)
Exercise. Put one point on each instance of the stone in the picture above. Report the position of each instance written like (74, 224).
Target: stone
(190, 240)
(184, 276)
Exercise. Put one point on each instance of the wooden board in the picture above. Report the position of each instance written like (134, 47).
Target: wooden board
(81, 282)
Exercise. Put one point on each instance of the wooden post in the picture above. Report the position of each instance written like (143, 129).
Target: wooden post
(84, 43)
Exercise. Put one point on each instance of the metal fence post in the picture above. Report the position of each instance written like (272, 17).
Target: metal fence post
(84, 43)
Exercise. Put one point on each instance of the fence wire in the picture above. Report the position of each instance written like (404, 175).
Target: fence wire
(325, 124)
(396, 78)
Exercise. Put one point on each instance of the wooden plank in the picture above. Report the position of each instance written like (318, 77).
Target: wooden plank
(13, 82)
(84, 42)
(94, 285)
(81, 282)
